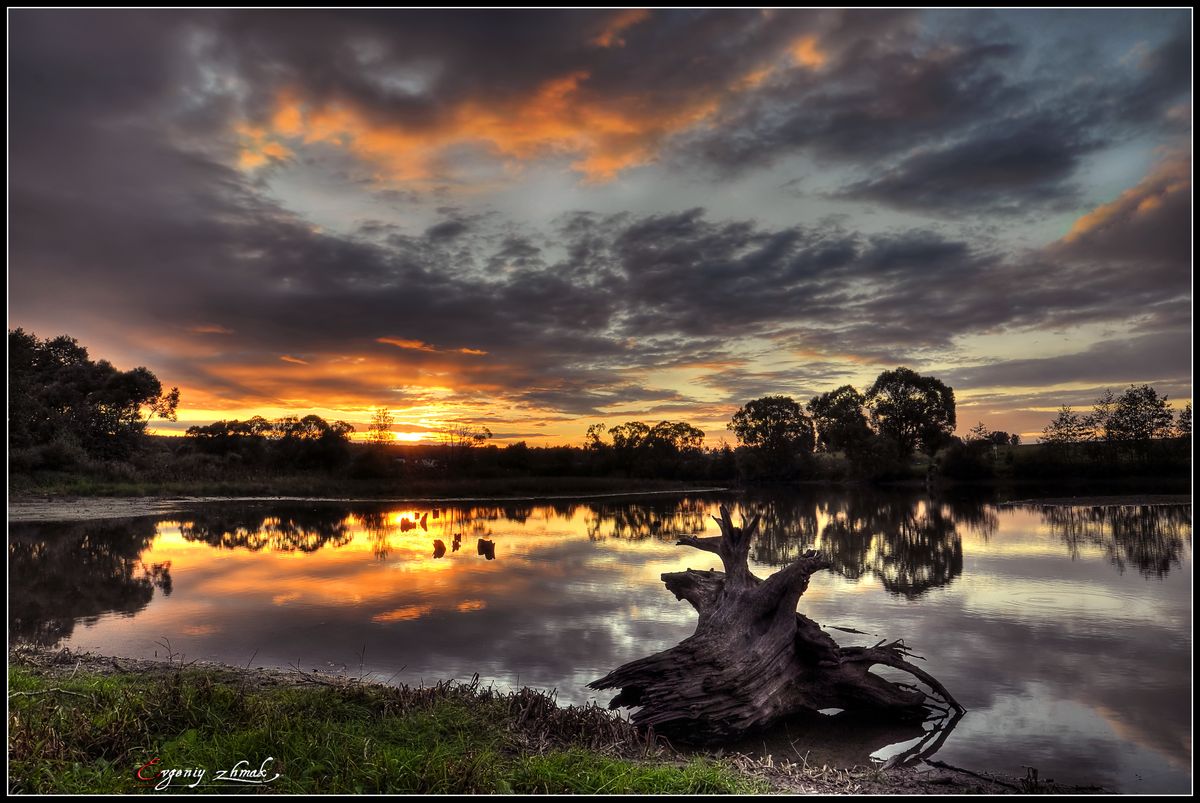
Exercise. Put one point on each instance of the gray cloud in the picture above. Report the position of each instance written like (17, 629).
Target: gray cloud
(955, 127)
(1146, 358)
(1008, 167)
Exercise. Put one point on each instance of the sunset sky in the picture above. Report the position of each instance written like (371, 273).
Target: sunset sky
(541, 220)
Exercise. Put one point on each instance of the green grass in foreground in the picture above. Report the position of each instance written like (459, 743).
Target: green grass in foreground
(90, 734)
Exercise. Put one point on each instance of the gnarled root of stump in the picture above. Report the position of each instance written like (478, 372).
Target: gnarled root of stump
(753, 660)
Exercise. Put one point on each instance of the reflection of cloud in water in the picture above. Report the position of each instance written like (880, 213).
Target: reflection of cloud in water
(1007, 662)
(1015, 626)
(403, 614)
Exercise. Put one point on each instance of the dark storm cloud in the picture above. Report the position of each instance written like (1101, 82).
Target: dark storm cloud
(585, 398)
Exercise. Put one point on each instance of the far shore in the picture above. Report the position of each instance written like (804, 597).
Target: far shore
(34, 507)
(332, 486)
(84, 508)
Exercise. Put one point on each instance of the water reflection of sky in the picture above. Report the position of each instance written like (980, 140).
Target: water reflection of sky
(1064, 631)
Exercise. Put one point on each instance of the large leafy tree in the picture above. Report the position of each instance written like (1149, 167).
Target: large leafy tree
(1139, 415)
(914, 411)
(57, 393)
(839, 419)
(777, 431)
(1097, 419)
(674, 437)
(1067, 427)
(775, 424)
(627, 438)
(637, 447)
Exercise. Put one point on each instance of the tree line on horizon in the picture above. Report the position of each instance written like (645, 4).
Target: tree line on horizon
(877, 432)
(1136, 417)
(67, 411)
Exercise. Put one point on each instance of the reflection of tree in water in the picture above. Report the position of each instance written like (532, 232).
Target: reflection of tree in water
(788, 527)
(283, 530)
(375, 523)
(477, 521)
(917, 551)
(977, 513)
(60, 574)
(1150, 537)
(910, 544)
(663, 519)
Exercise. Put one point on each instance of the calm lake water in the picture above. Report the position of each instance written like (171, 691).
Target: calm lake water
(1065, 631)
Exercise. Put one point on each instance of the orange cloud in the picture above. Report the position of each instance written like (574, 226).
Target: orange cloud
(560, 118)
(416, 345)
(210, 329)
(801, 52)
(1170, 177)
(295, 360)
(611, 35)
(806, 53)
(420, 345)
(259, 148)
(755, 78)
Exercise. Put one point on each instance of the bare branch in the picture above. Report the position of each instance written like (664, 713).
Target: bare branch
(783, 589)
(894, 655)
(708, 544)
(700, 588)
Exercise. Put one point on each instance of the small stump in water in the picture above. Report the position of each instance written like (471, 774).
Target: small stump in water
(754, 660)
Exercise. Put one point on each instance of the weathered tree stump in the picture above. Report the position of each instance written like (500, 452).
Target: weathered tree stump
(754, 660)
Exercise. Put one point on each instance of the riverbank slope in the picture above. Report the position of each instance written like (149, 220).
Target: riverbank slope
(84, 723)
